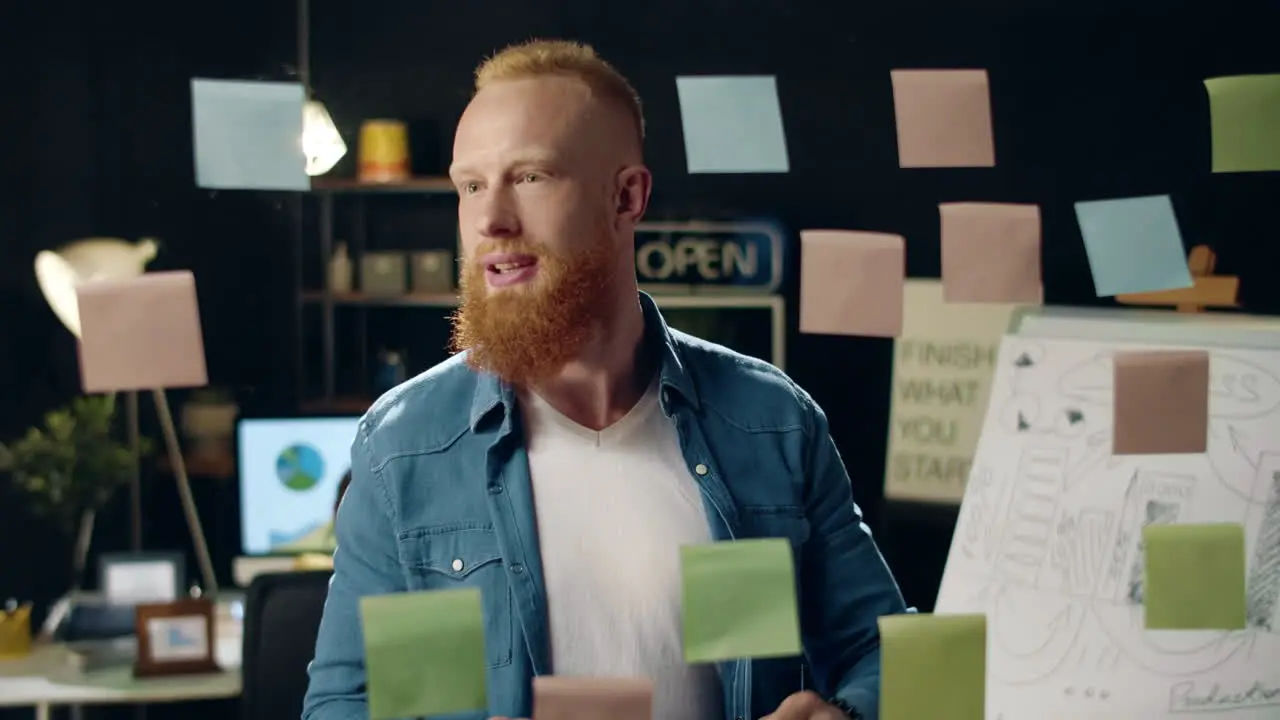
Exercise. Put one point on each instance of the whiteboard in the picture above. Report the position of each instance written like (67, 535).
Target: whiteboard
(1161, 327)
(1046, 544)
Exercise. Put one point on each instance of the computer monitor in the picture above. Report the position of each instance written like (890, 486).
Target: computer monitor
(290, 469)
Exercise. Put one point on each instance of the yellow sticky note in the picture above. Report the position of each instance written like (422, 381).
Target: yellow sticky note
(933, 666)
(1244, 112)
(1195, 576)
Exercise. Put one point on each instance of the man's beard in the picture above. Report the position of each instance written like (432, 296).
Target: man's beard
(525, 334)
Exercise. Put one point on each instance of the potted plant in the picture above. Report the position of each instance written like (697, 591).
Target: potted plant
(70, 467)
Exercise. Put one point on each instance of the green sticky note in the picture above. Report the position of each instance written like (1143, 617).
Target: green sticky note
(739, 600)
(1244, 112)
(933, 666)
(424, 653)
(1194, 576)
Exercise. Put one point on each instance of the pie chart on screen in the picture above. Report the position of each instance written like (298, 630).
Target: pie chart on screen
(300, 467)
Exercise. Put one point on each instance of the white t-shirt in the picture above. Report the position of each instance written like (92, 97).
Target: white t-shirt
(613, 508)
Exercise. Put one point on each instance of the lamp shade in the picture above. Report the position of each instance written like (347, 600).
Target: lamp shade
(321, 142)
(58, 272)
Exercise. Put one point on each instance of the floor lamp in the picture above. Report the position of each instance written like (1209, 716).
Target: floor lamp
(58, 274)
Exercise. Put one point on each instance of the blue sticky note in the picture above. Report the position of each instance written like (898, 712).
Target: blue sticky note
(732, 124)
(1134, 245)
(248, 135)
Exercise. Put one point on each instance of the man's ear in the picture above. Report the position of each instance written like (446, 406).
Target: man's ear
(634, 184)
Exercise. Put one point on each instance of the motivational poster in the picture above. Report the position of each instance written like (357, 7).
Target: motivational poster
(943, 364)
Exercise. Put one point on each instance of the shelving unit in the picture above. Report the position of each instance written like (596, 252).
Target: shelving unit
(327, 192)
(435, 185)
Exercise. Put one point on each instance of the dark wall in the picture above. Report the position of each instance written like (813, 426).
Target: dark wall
(1087, 105)
(96, 138)
(97, 142)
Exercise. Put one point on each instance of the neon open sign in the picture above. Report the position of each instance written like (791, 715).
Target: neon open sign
(738, 256)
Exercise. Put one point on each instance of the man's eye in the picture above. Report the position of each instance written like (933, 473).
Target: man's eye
(470, 187)
(531, 177)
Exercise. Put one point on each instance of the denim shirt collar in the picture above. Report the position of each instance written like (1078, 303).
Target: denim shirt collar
(492, 393)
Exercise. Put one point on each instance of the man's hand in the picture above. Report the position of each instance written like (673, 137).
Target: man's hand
(807, 705)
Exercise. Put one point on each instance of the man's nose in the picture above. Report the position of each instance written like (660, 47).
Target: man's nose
(496, 217)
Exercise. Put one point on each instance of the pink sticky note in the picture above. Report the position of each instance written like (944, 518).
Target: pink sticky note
(991, 253)
(1161, 402)
(944, 118)
(851, 282)
(141, 333)
(576, 698)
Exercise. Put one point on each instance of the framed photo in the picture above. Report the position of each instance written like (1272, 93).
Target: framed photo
(134, 578)
(175, 638)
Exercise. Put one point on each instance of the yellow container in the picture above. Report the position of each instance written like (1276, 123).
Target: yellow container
(384, 152)
(15, 633)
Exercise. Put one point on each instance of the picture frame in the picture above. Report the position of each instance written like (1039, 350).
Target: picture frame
(131, 578)
(175, 638)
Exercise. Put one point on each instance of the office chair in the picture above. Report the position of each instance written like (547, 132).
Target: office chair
(281, 619)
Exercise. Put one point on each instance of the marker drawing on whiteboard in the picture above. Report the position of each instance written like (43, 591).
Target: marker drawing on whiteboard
(1048, 542)
(1263, 593)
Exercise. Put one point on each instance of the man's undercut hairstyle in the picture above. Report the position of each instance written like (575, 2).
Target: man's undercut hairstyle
(537, 58)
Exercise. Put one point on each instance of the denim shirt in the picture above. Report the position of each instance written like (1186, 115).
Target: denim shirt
(440, 498)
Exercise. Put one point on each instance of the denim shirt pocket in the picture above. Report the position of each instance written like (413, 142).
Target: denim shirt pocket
(775, 521)
(464, 556)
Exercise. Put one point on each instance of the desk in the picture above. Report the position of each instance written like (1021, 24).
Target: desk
(45, 679)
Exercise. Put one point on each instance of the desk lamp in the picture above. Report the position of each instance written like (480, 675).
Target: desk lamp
(58, 273)
(321, 142)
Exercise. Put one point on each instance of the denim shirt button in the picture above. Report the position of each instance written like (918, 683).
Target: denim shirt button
(495, 489)
(457, 565)
(700, 469)
(517, 568)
